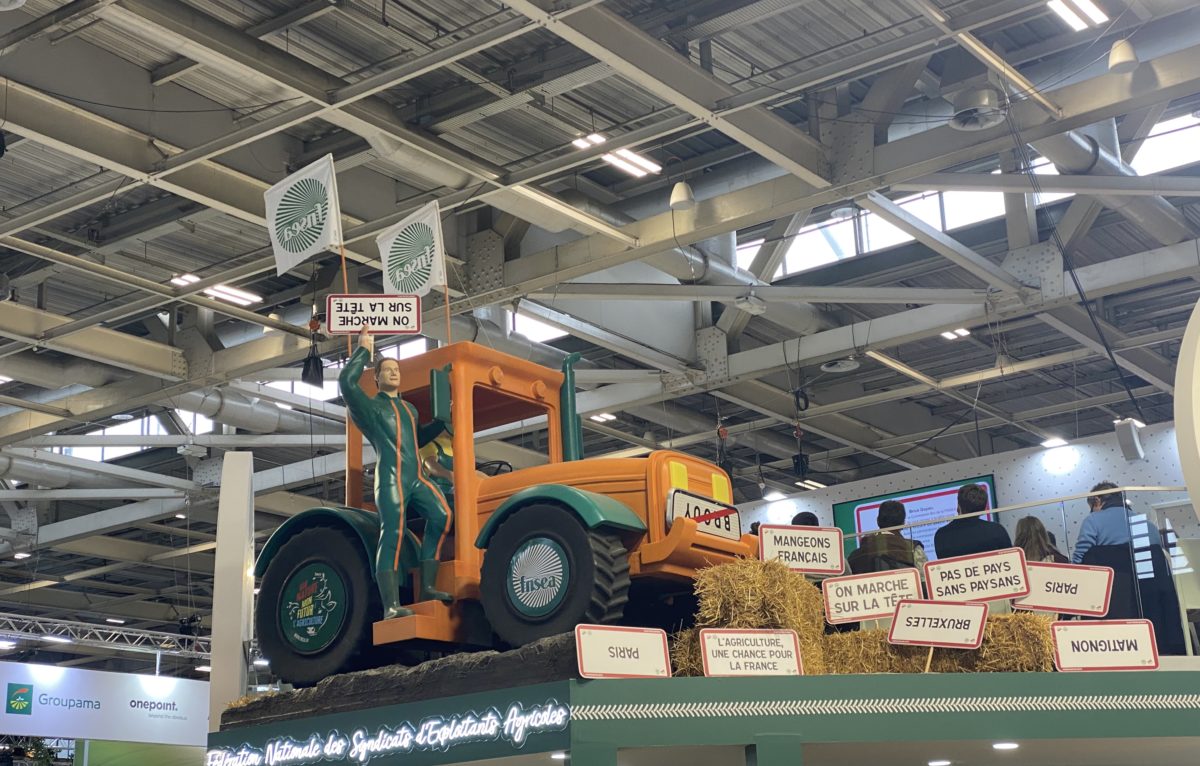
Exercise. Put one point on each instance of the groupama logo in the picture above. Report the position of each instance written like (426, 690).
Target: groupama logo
(20, 699)
(301, 215)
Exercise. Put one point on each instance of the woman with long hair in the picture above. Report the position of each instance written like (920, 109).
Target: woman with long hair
(1033, 538)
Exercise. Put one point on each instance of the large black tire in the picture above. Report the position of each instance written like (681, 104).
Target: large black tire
(592, 569)
(344, 638)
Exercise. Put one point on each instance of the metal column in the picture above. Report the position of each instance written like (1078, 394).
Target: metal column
(233, 584)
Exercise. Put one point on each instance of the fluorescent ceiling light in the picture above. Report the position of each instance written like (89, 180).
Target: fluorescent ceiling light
(948, 335)
(114, 620)
(262, 662)
(1091, 10)
(596, 139)
(772, 496)
(815, 484)
(6, 644)
(582, 143)
(603, 417)
(642, 162)
(1005, 745)
(5, 380)
(628, 167)
(558, 756)
(939, 763)
(962, 332)
(1054, 441)
(181, 515)
(233, 295)
(203, 668)
(183, 280)
(56, 639)
(21, 555)
(1067, 15)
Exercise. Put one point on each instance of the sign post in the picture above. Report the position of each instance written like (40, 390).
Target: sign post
(1068, 589)
(874, 596)
(991, 576)
(732, 652)
(605, 651)
(947, 624)
(345, 314)
(1104, 645)
(810, 550)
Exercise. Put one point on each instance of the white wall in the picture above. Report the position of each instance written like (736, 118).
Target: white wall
(1022, 476)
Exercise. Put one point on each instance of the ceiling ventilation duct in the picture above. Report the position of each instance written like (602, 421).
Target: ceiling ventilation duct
(978, 109)
(11, 5)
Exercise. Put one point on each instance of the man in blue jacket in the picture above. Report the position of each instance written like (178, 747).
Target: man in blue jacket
(1110, 523)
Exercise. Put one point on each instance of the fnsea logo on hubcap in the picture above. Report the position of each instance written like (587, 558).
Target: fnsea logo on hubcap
(537, 577)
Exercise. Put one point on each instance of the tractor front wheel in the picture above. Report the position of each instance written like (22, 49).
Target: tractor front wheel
(316, 606)
(544, 573)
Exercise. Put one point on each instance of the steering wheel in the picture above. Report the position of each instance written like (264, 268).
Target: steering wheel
(495, 467)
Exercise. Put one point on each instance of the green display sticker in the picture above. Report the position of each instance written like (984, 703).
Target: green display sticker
(537, 577)
(313, 607)
(20, 699)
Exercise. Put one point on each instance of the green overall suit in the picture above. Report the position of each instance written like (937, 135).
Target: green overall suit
(390, 425)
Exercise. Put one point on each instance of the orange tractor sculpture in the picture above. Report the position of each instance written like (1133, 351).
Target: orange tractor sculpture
(531, 553)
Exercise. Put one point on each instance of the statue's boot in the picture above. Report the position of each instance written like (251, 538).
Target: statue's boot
(389, 594)
(429, 570)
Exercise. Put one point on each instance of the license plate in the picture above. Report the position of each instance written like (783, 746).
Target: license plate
(712, 517)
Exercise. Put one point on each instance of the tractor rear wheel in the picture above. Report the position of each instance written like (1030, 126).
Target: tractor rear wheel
(544, 573)
(316, 606)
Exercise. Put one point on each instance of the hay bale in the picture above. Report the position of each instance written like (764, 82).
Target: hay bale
(1019, 642)
(1012, 643)
(685, 653)
(868, 651)
(764, 595)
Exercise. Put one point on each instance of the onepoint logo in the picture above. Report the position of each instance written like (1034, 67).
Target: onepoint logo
(20, 699)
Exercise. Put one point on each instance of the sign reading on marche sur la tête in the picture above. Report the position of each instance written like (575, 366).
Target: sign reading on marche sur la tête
(1067, 589)
(1104, 645)
(871, 596)
(732, 652)
(606, 651)
(383, 314)
(811, 550)
(953, 625)
(988, 576)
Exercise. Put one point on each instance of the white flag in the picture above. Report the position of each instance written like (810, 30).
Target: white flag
(412, 253)
(303, 214)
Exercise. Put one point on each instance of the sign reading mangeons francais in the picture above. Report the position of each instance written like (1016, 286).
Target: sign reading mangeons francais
(514, 726)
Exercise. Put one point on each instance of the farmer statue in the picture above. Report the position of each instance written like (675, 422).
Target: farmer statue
(390, 424)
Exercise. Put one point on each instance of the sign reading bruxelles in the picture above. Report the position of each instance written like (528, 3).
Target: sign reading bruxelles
(433, 734)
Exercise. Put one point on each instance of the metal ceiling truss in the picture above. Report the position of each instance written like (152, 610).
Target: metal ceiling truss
(62, 632)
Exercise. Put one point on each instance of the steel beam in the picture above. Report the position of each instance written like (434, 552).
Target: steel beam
(32, 326)
(130, 493)
(313, 9)
(607, 291)
(940, 242)
(656, 68)
(776, 243)
(1019, 183)
(1074, 322)
(49, 22)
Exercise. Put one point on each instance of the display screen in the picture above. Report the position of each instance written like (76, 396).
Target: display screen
(939, 501)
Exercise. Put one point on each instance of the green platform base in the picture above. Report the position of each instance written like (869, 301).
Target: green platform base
(772, 719)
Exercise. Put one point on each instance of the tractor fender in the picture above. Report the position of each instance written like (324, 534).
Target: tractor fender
(591, 508)
(364, 525)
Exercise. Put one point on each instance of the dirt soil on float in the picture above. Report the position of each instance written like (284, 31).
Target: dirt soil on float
(551, 659)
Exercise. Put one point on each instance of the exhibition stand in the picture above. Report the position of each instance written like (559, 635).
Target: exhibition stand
(774, 718)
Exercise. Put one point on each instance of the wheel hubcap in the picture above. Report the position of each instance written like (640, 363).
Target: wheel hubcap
(537, 577)
(313, 607)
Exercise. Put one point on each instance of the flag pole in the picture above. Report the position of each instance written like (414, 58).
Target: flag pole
(345, 289)
(446, 303)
